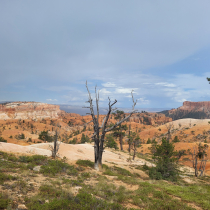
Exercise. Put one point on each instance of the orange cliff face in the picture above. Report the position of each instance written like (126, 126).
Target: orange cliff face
(196, 110)
(199, 106)
(28, 110)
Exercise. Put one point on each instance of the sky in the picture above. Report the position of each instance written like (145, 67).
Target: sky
(158, 49)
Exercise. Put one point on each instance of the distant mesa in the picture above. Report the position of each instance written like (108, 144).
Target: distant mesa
(196, 110)
(28, 110)
(37, 111)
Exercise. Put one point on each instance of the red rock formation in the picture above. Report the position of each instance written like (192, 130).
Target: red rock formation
(198, 110)
(199, 106)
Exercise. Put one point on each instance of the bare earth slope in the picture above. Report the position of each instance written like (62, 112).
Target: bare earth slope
(71, 152)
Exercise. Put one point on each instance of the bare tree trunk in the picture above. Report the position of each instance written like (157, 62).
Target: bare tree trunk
(55, 144)
(97, 154)
(196, 169)
(121, 142)
(134, 153)
(129, 141)
(129, 147)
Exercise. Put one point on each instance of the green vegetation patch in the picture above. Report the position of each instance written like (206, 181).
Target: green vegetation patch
(195, 193)
(115, 171)
(85, 163)
(6, 177)
(4, 201)
(66, 201)
(148, 196)
(54, 167)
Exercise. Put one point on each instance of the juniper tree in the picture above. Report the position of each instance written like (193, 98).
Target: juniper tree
(119, 131)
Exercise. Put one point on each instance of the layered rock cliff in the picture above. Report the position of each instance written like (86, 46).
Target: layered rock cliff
(196, 110)
(28, 110)
(150, 118)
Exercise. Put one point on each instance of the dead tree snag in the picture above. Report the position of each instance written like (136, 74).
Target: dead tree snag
(100, 131)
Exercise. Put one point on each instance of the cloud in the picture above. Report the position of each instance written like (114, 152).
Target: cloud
(143, 101)
(165, 84)
(109, 85)
(51, 100)
(132, 48)
(124, 90)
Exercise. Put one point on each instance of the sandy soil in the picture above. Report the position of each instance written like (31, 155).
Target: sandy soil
(187, 121)
(72, 152)
(86, 151)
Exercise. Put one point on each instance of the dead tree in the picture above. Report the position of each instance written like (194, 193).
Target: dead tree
(199, 155)
(169, 127)
(100, 131)
(129, 139)
(54, 149)
(134, 143)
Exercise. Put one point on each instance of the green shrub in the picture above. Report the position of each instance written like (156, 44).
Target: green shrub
(110, 142)
(65, 201)
(35, 159)
(3, 140)
(45, 136)
(149, 141)
(54, 167)
(22, 136)
(74, 141)
(5, 177)
(115, 171)
(85, 175)
(145, 167)
(4, 201)
(84, 139)
(85, 163)
(166, 162)
(176, 139)
(122, 171)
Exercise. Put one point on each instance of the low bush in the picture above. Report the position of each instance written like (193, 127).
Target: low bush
(3, 140)
(85, 163)
(5, 177)
(54, 167)
(4, 201)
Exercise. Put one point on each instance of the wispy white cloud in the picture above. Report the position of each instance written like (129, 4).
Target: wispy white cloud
(143, 101)
(51, 100)
(165, 84)
(109, 84)
(125, 90)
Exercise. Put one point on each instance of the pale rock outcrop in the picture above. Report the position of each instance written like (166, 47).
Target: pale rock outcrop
(28, 110)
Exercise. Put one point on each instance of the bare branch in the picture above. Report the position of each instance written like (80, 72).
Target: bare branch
(125, 118)
(88, 122)
(121, 121)
(91, 107)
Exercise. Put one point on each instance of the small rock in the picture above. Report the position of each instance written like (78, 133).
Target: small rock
(121, 157)
(79, 150)
(37, 168)
(22, 207)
